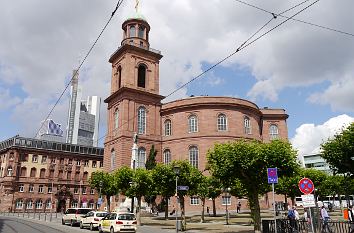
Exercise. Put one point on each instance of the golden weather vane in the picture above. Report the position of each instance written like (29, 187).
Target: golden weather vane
(136, 5)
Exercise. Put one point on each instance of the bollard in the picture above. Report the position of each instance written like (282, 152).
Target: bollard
(50, 217)
(39, 216)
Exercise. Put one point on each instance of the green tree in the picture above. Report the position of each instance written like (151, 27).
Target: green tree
(164, 183)
(151, 161)
(105, 182)
(142, 183)
(339, 151)
(202, 191)
(215, 189)
(123, 178)
(248, 162)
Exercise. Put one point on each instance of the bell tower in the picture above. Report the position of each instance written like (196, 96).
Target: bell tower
(134, 103)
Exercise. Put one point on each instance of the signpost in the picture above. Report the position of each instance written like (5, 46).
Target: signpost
(306, 186)
(273, 179)
(183, 188)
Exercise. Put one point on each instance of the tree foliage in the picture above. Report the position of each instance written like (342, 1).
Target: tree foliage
(248, 161)
(339, 151)
(151, 161)
(104, 182)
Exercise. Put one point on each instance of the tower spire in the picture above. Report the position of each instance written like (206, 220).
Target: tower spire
(136, 5)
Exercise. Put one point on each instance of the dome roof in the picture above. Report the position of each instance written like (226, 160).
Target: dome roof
(137, 15)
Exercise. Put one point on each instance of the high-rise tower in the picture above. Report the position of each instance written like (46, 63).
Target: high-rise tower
(134, 104)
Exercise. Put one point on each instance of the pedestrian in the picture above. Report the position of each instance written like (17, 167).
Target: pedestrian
(238, 207)
(292, 220)
(325, 218)
(297, 215)
(351, 218)
(208, 210)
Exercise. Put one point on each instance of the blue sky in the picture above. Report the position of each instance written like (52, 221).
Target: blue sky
(304, 69)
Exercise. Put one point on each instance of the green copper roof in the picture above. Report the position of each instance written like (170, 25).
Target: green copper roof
(137, 15)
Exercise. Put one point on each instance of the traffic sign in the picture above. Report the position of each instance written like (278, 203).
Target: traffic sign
(308, 200)
(183, 188)
(306, 186)
(272, 175)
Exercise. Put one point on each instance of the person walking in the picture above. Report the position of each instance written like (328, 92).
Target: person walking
(325, 218)
(238, 209)
(292, 220)
(351, 218)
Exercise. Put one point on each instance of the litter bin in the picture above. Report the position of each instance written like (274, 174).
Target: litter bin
(345, 214)
(179, 225)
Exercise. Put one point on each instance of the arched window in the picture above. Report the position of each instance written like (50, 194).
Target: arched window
(167, 156)
(168, 130)
(74, 204)
(116, 118)
(247, 125)
(132, 31)
(19, 204)
(42, 173)
(23, 171)
(39, 204)
(141, 120)
(9, 171)
(193, 124)
(119, 78)
(29, 204)
(193, 156)
(273, 132)
(222, 122)
(113, 159)
(33, 172)
(141, 32)
(140, 163)
(48, 204)
(141, 76)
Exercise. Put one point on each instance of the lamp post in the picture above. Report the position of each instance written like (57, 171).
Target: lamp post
(176, 170)
(99, 195)
(227, 190)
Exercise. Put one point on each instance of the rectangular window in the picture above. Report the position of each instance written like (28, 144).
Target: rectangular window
(52, 161)
(50, 189)
(76, 190)
(83, 190)
(31, 188)
(101, 164)
(68, 176)
(44, 159)
(92, 191)
(78, 162)
(94, 164)
(70, 161)
(194, 201)
(34, 158)
(226, 200)
(40, 189)
(86, 164)
(21, 188)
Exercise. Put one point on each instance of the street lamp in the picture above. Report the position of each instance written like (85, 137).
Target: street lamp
(176, 170)
(227, 190)
(99, 195)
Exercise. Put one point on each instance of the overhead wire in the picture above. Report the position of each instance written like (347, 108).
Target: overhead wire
(297, 20)
(80, 65)
(241, 47)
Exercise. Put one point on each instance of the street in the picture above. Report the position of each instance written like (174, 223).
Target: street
(14, 224)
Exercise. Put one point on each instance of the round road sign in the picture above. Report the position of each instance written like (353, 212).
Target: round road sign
(306, 186)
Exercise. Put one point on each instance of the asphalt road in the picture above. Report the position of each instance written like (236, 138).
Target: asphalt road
(13, 224)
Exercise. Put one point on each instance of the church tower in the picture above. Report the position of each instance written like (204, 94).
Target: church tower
(134, 103)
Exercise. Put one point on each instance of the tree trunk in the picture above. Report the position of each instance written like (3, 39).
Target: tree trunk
(214, 208)
(255, 210)
(138, 212)
(184, 222)
(202, 220)
(166, 207)
(108, 203)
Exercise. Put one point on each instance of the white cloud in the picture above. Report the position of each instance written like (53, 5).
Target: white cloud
(308, 137)
(6, 100)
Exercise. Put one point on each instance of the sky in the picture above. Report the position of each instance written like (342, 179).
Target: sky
(304, 69)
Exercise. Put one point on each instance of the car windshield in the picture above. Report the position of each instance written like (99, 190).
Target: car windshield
(83, 211)
(126, 217)
(101, 214)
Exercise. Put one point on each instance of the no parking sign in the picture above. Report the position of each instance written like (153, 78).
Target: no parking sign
(306, 186)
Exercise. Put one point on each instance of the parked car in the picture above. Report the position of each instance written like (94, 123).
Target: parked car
(118, 222)
(73, 216)
(91, 219)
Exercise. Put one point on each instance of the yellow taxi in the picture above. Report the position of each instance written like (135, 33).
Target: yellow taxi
(118, 222)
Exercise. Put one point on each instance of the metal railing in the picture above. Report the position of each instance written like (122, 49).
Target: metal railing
(43, 216)
(301, 226)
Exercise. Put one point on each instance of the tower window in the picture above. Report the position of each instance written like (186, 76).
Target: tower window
(132, 31)
(140, 163)
(193, 124)
(222, 123)
(141, 32)
(193, 156)
(113, 159)
(273, 132)
(167, 156)
(141, 120)
(168, 130)
(247, 125)
(119, 83)
(116, 118)
(141, 76)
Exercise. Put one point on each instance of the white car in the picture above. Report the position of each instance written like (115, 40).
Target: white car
(118, 222)
(73, 215)
(91, 219)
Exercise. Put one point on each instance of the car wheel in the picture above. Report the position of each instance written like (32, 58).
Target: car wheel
(91, 227)
(71, 223)
(81, 226)
(62, 222)
(112, 230)
(99, 229)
